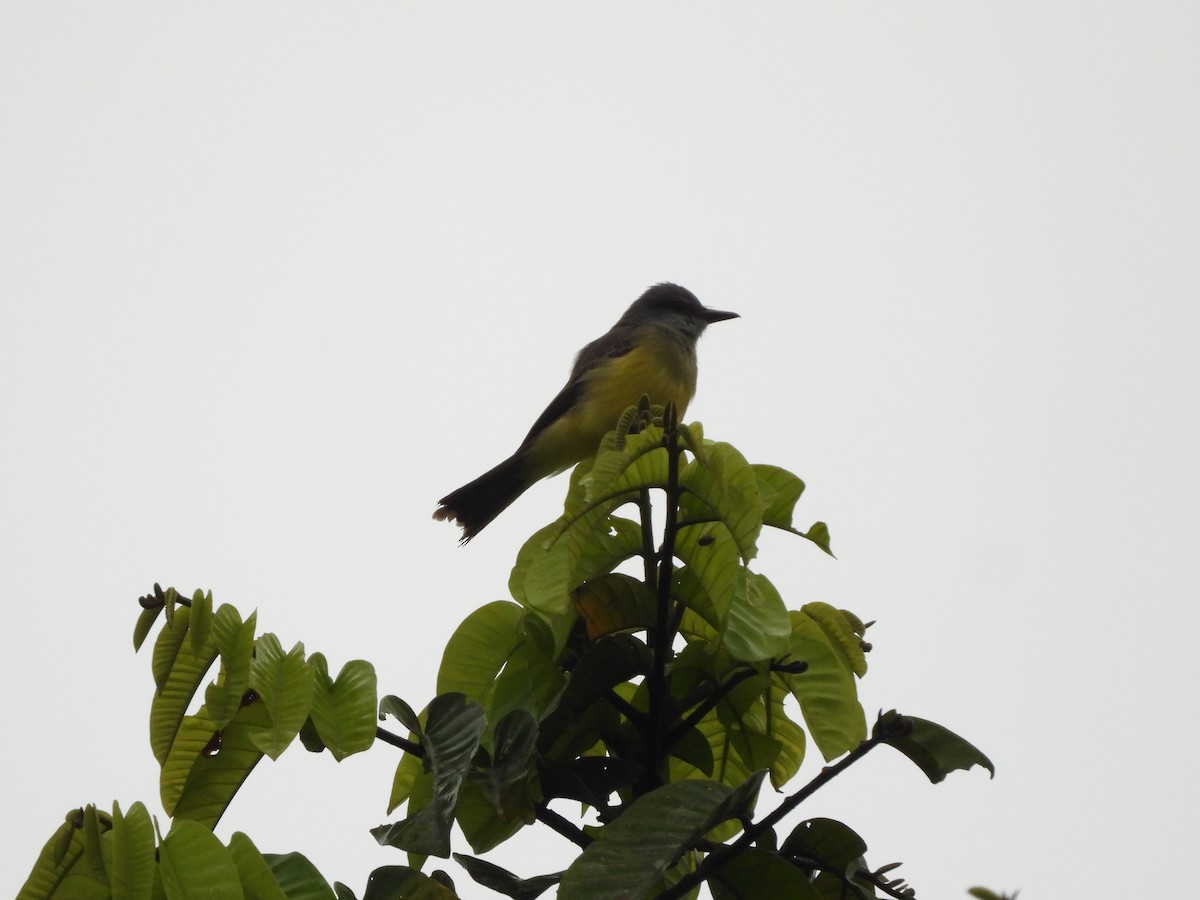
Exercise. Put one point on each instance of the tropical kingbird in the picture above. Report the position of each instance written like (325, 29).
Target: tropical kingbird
(651, 350)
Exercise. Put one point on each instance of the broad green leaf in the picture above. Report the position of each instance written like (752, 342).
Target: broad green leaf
(480, 825)
(826, 690)
(936, 750)
(200, 620)
(206, 767)
(582, 715)
(818, 533)
(61, 869)
(530, 553)
(588, 779)
(530, 680)
(608, 549)
(145, 621)
(298, 877)
(836, 852)
(828, 842)
(196, 866)
(505, 882)
(840, 631)
(756, 874)
(548, 578)
(506, 784)
(409, 773)
(132, 853)
(178, 672)
(343, 711)
(757, 627)
(452, 732)
(712, 556)
(722, 485)
(235, 642)
(640, 463)
(633, 852)
(780, 490)
(284, 681)
(613, 603)
(687, 590)
(404, 883)
(478, 650)
(790, 737)
(393, 706)
(258, 881)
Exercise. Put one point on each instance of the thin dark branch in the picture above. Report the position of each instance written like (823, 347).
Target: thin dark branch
(706, 705)
(714, 861)
(395, 740)
(663, 636)
(625, 708)
(555, 822)
(648, 556)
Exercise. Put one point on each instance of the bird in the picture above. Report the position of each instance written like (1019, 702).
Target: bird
(651, 350)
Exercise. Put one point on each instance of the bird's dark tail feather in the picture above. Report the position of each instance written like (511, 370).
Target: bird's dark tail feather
(476, 503)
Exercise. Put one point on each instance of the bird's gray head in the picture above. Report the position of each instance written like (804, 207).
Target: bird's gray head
(671, 306)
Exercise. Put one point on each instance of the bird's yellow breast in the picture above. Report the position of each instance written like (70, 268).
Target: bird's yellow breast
(661, 366)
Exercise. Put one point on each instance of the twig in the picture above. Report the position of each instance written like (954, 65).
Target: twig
(714, 861)
(571, 832)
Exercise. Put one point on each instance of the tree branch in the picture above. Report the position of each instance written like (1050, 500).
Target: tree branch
(555, 822)
(714, 861)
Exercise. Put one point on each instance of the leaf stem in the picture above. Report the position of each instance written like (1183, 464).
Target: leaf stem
(714, 861)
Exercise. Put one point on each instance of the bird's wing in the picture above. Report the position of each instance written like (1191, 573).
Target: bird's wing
(617, 342)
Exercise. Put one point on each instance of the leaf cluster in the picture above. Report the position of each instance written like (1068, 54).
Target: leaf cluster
(642, 684)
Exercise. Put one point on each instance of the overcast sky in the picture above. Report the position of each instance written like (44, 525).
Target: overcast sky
(275, 277)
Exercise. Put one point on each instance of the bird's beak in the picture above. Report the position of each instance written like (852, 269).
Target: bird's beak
(717, 315)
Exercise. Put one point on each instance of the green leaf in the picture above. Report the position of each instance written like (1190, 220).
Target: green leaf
(612, 603)
(790, 737)
(404, 883)
(258, 881)
(145, 621)
(530, 679)
(722, 484)
(200, 620)
(61, 869)
(818, 533)
(640, 461)
(343, 711)
(843, 636)
(477, 819)
(478, 650)
(132, 853)
(505, 882)
(235, 642)
(393, 706)
(178, 672)
(633, 852)
(826, 690)
(452, 732)
(206, 767)
(285, 684)
(757, 626)
(833, 845)
(711, 556)
(607, 549)
(194, 864)
(298, 877)
(506, 783)
(588, 779)
(936, 750)
(780, 490)
(756, 874)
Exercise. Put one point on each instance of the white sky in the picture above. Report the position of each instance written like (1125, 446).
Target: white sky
(275, 277)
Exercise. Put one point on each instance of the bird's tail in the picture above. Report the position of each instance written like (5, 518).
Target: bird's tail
(476, 503)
